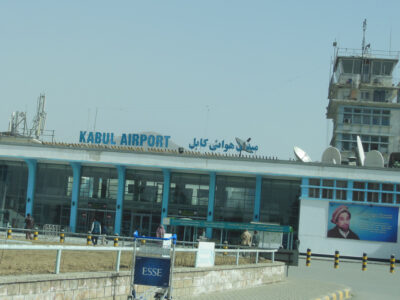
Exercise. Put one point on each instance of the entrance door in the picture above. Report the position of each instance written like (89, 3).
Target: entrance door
(141, 223)
(85, 219)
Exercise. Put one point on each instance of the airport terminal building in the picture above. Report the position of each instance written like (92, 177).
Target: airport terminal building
(133, 188)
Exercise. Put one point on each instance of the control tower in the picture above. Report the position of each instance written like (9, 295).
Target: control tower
(364, 100)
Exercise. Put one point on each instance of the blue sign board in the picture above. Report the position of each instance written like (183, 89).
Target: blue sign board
(363, 222)
(152, 271)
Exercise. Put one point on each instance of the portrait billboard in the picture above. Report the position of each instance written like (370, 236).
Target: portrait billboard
(362, 222)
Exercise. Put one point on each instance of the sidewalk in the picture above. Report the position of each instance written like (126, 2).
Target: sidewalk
(290, 289)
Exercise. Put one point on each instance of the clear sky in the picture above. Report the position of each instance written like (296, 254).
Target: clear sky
(215, 69)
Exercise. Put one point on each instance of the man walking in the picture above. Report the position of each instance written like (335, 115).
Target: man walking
(28, 225)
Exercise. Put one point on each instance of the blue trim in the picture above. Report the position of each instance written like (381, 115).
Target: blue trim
(76, 171)
(304, 187)
(349, 190)
(120, 199)
(211, 200)
(30, 193)
(257, 200)
(166, 187)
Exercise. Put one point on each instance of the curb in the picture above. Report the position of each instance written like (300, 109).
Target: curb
(338, 295)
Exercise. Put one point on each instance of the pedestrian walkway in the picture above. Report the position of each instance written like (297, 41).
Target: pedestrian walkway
(290, 289)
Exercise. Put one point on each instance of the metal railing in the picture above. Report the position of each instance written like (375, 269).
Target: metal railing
(61, 248)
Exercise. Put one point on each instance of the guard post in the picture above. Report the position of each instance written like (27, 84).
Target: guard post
(225, 247)
(308, 258)
(392, 261)
(89, 239)
(116, 240)
(364, 262)
(62, 236)
(9, 233)
(336, 264)
(35, 234)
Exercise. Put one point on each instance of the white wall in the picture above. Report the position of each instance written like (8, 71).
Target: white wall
(313, 227)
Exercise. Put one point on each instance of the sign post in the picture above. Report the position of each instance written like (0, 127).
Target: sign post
(153, 263)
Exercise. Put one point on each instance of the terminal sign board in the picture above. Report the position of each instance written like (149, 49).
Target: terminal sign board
(152, 271)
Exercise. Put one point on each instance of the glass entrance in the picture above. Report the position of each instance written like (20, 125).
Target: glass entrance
(137, 221)
(105, 217)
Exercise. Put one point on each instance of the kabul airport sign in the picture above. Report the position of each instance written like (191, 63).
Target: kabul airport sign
(126, 139)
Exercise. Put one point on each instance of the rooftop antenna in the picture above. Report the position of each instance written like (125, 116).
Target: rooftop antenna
(301, 154)
(360, 151)
(243, 145)
(40, 118)
(363, 46)
(331, 155)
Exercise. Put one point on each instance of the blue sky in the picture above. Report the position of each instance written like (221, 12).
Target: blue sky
(215, 69)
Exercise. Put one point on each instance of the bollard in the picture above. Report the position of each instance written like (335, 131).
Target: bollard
(225, 247)
(62, 237)
(392, 261)
(9, 233)
(89, 239)
(116, 240)
(308, 259)
(336, 265)
(364, 261)
(35, 235)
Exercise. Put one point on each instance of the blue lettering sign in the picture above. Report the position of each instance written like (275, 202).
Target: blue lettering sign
(152, 271)
(130, 139)
(123, 139)
(219, 145)
(82, 137)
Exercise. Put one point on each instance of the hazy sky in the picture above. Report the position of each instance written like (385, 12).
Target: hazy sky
(215, 69)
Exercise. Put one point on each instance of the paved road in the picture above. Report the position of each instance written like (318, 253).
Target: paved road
(322, 279)
(374, 283)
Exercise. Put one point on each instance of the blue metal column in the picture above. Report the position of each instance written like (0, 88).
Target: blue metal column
(211, 200)
(257, 200)
(120, 199)
(349, 190)
(76, 171)
(304, 187)
(30, 193)
(165, 198)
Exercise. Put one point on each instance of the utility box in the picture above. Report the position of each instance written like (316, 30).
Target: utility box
(290, 257)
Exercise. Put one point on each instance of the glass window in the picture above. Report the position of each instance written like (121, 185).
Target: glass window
(376, 68)
(13, 184)
(234, 198)
(358, 195)
(387, 68)
(53, 193)
(189, 189)
(347, 65)
(280, 202)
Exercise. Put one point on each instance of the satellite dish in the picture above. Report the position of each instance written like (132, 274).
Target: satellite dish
(301, 154)
(394, 160)
(331, 156)
(360, 151)
(242, 145)
(374, 159)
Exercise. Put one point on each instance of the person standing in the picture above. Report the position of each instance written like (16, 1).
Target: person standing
(28, 225)
(246, 238)
(96, 231)
(160, 231)
(256, 239)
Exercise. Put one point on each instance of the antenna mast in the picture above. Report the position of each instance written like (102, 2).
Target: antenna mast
(363, 40)
(40, 118)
